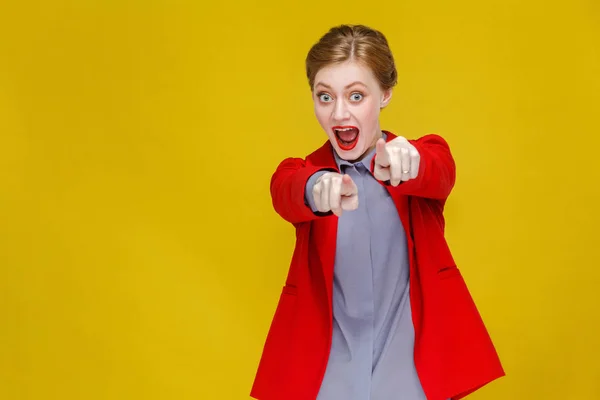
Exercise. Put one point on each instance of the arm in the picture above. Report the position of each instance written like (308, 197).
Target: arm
(437, 170)
(289, 186)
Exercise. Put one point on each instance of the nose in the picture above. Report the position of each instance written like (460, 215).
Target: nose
(341, 111)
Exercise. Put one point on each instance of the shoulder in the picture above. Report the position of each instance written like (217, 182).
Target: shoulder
(433, 139)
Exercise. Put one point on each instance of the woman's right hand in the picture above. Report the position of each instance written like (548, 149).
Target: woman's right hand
(335, 192)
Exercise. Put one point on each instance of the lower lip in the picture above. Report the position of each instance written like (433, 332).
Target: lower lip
(347, 146)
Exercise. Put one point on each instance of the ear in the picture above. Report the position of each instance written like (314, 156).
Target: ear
(386, 97)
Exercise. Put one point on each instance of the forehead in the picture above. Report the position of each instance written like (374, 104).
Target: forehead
(340, 75)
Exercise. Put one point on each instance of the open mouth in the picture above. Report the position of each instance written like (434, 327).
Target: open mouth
(346, 136)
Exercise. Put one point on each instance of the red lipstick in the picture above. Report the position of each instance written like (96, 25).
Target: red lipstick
(346, 136)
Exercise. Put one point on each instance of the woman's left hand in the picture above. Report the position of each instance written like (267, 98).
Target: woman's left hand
(396, 161)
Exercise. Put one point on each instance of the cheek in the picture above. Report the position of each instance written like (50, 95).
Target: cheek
(368, 116)
(322, 115)
(372, 114)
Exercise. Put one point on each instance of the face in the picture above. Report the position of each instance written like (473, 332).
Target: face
(348, 100)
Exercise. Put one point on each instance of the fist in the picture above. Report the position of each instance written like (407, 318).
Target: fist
(335, 192)
(396, 161)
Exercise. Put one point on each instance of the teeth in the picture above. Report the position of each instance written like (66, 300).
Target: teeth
(344, 129)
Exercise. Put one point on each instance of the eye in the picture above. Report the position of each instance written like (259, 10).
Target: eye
(324, 97)
(356, 96)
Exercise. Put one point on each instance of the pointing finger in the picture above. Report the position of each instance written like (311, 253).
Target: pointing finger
(348, 186)
(381, 156)
(349, 193)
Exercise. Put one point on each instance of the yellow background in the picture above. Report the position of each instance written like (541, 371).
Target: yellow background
(140, 257)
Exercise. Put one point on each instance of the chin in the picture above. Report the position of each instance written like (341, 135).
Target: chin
(350, 155)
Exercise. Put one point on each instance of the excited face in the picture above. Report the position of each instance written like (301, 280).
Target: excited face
(348, 100)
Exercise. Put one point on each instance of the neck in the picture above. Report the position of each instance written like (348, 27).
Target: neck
(377, 136)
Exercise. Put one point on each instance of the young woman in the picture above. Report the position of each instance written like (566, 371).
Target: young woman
(374, 307)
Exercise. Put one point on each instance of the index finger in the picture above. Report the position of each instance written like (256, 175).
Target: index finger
(348, 186)
(381, 155)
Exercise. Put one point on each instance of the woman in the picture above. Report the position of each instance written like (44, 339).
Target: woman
(374, 307)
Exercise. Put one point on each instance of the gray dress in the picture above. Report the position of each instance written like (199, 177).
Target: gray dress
(371, 354)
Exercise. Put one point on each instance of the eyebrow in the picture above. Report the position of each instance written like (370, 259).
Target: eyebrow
(347, 86)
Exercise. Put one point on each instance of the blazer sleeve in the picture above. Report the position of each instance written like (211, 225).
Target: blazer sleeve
(437, 170)
(288, 190)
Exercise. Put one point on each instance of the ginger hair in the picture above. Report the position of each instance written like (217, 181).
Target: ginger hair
(353, 43)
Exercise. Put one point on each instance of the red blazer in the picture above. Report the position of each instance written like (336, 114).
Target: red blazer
(453, 353)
